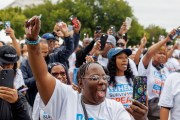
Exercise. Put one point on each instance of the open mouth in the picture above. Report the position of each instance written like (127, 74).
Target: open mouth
(124, 65)
(101, 92)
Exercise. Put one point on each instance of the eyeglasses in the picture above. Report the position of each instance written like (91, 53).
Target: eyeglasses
(56, 74)
(120, 44)
(97, 78)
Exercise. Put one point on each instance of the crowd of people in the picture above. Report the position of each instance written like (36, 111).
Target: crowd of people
(69, 81)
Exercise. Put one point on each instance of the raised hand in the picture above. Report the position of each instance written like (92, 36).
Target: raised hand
(77, 30)
(10, 32)
(123, 29)
(138, 110)
(143, 41)
(32, 28)
(64, 29)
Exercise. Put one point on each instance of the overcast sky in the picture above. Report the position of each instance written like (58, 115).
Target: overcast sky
(164, 13)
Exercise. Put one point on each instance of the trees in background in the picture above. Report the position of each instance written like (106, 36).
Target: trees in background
(90, 12)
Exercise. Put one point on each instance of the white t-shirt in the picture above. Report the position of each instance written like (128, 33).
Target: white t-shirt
(172, 65)
(104, 61)
(65, 104)
(170, 96)
(155, 78)
(122, 92)
(18, 80)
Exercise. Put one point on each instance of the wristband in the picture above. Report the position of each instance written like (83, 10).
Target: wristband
(32, 42)
(95, 58)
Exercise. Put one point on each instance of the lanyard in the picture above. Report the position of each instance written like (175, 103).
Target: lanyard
(84, 109)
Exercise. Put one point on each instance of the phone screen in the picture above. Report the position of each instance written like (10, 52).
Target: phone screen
(128, 22)
(103, 40)
(7, 78)
(98, 29)
(113, 28)
(140, 89)
(7, 24)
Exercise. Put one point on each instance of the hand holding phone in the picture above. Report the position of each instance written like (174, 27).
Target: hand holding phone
(177, 34)
(128, 22)
(7, 78)
(140, 89)
(74, 21)
(98, 29)
(7, 24)
(113, 28)
(103, 40)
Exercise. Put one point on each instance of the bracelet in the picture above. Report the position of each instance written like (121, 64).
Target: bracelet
(34, 42)
(95, 58)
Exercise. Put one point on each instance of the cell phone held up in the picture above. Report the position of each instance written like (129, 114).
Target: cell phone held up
(177, 34)
(7, 78)
(7, 24)
(128, 22)
(140, 89)
(103, 40)
(98, 29)
(74, 21)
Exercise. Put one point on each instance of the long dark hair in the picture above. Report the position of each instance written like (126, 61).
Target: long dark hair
(112, 68)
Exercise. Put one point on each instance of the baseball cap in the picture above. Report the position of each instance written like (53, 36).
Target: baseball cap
(114, 51)
(111, 39)
(48, 36)
(8, 54)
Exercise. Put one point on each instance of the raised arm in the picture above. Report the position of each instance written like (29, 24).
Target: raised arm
(15, 44)
(154, 48)
(45, 81)
(170, 52)
(139, 51)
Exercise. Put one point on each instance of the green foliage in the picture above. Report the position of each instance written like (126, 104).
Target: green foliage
(153, 33)
(16, 17)
(90, 12)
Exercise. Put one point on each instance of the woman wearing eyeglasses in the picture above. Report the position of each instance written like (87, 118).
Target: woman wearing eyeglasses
(59, 100)
(121, 84)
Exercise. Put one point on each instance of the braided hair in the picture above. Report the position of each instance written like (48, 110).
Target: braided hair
(83, 68)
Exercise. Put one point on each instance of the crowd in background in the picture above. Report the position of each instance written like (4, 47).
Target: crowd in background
(73, 81)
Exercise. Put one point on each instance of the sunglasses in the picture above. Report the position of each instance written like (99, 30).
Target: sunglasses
(120, 45)
(98, 78)
(56, 74)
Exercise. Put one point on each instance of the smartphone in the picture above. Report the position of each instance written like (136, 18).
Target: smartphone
(177, 34)
(98, 29)
(70, 28)
(103, 40)
(23, 89)
(140, 89)
(128, 22)
(7, 78)
(74, 21)
(7, 24)
(113, 28)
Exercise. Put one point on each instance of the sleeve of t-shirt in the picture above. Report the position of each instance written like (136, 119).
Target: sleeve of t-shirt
(60, 94)
(133, 67)
(142, 71)
(166, 98)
